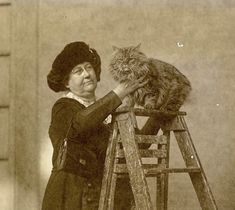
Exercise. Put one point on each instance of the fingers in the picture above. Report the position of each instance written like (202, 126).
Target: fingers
(126, 88)
(141, 82)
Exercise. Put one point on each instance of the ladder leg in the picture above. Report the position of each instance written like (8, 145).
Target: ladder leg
(109, 181)
(162, 182)
(191, 159)
(112, 192)
(162, 179)
(134, 163)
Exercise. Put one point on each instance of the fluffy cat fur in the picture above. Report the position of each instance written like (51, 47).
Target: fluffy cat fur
(167, 88)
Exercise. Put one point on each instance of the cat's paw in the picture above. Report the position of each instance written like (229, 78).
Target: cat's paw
(128, 101)
(149, 106)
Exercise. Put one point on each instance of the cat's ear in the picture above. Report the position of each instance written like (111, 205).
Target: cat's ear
(115, 48)
(137, 47)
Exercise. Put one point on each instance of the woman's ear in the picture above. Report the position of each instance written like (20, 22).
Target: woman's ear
(66, 83)
(67, 86)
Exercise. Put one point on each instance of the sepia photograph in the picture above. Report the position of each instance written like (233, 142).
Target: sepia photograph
(117, 105)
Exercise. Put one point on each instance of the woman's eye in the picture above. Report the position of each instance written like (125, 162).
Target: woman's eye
(78, 71)
(89, 67)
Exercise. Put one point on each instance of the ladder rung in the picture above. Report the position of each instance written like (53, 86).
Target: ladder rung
(154, 169)
(122, 168)
(150, 139)
(156, 153)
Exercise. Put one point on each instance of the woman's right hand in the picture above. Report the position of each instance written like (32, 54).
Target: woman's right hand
(124, 89)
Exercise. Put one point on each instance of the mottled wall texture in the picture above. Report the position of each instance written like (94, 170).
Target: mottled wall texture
(205, 53)
(195, 36)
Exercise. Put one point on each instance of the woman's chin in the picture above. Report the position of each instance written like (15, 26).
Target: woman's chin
(90, 87)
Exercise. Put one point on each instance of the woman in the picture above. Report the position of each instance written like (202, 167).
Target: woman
(78, 133)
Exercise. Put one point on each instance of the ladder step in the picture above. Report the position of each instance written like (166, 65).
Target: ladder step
(155, 153)
(148, 112)
(154, 169)
(150, 139)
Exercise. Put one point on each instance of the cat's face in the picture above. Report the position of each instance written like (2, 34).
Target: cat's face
(128, 62)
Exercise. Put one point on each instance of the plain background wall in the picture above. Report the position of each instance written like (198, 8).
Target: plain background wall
(206, 30)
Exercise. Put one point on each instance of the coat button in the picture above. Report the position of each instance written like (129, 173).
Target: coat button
(82, 161)
(89, 184)
(89, 200)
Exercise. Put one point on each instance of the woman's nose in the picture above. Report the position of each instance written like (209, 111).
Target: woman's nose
(85, 72)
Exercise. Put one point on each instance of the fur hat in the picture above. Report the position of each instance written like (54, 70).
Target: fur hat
(73, 54)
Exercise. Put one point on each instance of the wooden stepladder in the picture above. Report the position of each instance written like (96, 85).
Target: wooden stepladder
(124, 143)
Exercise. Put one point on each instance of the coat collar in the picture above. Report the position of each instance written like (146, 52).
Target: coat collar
(70, 94)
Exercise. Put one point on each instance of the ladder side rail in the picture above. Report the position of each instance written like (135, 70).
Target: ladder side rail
(162, 179)
(107, 181)
(134, 163)
(110, 204)
(191, 159)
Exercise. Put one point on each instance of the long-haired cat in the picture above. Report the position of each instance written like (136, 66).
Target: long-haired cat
(167, 88)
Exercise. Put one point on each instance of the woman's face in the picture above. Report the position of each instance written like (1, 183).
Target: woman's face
(82, 80)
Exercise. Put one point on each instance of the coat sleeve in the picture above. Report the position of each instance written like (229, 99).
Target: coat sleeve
(92, 116)
(83, 119)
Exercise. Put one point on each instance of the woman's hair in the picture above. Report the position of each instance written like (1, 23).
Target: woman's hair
(73, 54)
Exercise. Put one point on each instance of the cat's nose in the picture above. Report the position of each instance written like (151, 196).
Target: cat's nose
(125, 67)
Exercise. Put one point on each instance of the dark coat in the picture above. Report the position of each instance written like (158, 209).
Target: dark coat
(77, 185)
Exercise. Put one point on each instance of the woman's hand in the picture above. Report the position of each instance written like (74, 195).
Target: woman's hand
(124, 89)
